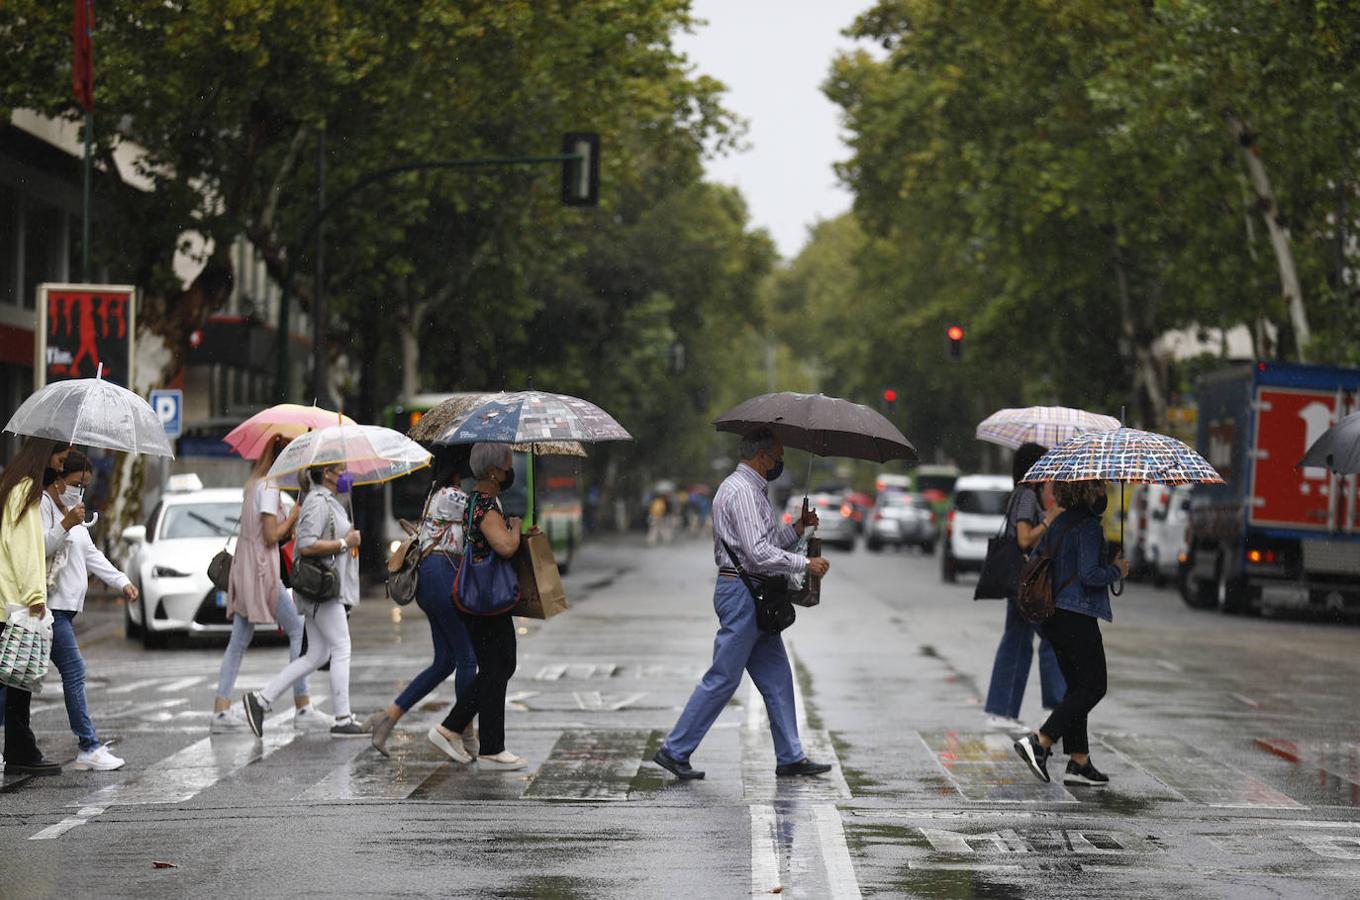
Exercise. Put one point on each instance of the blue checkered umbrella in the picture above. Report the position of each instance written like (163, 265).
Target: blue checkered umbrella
(1125, 454)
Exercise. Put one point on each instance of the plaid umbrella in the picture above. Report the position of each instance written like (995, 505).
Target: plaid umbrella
(1125, 454)
(1045, 425)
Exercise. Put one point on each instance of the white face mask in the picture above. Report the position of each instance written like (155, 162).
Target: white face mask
(71, 497)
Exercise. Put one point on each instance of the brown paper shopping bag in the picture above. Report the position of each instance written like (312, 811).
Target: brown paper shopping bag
(541, 595)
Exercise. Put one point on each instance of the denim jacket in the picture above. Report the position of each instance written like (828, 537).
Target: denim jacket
(1082, 552)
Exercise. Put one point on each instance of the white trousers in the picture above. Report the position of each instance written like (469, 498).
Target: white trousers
(327, 638)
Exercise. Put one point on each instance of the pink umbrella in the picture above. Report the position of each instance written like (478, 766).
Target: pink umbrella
(288, 419)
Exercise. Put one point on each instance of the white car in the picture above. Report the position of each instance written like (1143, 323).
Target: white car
(168, 561)
(976, 513)
(1164, 538)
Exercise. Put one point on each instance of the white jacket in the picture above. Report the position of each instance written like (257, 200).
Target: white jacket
(83, 559)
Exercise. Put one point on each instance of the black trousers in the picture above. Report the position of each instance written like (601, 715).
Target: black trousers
(20, 745)
(493, 640)
(1081, 656)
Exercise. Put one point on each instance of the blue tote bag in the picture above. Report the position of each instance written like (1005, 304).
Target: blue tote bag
(485, 587)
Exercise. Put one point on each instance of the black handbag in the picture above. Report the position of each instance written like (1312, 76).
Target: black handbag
(1000, 575)
(312, 578)
(774, 612)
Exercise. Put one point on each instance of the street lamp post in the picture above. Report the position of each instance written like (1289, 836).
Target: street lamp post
(580, 162)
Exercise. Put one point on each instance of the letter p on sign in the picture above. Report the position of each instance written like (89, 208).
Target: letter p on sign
(169, 407)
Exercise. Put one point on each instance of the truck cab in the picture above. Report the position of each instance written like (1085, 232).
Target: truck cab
(1273, 535)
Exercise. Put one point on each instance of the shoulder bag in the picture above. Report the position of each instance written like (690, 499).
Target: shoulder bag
(312, 578)
(774, 612)
(219, 570)
(403, 567)
(1000, 575)
(1037, 596)
(485, 587)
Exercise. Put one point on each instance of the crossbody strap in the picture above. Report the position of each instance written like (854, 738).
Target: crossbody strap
(736, 564)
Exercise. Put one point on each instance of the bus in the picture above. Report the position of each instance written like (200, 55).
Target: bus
(548, 493)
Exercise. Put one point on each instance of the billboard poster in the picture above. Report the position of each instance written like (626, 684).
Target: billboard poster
(80, 327)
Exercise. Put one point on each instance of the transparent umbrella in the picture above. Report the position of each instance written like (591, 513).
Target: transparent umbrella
(92, 412)
(370, 454)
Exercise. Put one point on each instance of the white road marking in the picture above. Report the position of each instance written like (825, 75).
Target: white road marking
(1169, 665)
(65, 825)
(133, 686)
(840, 869)
(180, 684)
(594, 700)
(764, 855)
(1244, 700)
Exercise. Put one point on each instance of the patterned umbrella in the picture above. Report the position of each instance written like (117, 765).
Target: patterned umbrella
(531, 417)
(1125, 454)
(440, 417)
(1044, 425)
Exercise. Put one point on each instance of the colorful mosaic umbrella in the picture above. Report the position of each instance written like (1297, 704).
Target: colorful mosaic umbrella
(1047, 426)
(527, 417)
(1125, 454)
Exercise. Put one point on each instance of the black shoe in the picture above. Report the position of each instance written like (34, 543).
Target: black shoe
(254, 710)
(1087, 774)
(40, 766)
(682, 770)
(1034, 755)
(804, 766)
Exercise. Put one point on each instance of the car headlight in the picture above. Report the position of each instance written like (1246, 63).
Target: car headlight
(167, 572)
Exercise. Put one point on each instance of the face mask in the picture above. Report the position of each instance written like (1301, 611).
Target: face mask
(344, 483)
(1099, 506)
(508, 480)
(71, 497)
(774, 472)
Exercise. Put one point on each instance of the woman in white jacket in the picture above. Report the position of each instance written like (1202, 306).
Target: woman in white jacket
(71, 559)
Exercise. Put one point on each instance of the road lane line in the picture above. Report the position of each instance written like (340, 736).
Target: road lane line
(840, 869)
(65, 825)
(764, 855)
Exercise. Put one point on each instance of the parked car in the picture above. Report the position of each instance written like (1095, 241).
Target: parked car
(902, 520)
(836, 517)
(1165, 539)
(976, 513)
(168, 561)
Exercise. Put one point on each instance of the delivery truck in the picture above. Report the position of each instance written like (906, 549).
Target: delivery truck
(1273, 535)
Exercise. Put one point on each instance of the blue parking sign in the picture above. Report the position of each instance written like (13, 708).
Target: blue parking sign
(169, 407)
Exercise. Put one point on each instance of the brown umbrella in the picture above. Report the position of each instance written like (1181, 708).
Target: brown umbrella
(826, 426)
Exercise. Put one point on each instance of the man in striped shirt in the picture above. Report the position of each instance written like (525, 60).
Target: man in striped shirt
(742, 518)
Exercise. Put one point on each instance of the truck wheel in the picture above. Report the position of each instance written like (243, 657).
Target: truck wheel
(1230, 594)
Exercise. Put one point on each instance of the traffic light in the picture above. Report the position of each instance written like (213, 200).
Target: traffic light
(581, 176)
(889, 400)
(955, 335)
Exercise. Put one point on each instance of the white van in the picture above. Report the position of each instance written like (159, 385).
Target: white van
(976, 513)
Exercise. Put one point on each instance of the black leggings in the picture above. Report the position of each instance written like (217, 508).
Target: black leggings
(1081, 656)
(493, 640)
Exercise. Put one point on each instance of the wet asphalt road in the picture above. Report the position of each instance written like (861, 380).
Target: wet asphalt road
(1233, 747)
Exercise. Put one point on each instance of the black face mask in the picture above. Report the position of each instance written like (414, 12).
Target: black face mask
(1099, 506)
(508, 480)
(775, 471)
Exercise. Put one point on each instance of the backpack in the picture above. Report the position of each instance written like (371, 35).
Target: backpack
(1037, 594)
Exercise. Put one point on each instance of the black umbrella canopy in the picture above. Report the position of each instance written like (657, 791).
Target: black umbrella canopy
(825, 426)
(1338, 448)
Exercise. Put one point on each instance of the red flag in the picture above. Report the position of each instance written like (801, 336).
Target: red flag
(82, 63)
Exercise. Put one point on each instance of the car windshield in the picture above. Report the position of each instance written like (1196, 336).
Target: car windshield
(942, 483)
(982, 503)
(199, 520)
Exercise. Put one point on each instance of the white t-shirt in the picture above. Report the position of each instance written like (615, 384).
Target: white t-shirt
(268, 500)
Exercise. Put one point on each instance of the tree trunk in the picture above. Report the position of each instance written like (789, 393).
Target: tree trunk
(1280, 239)
(1147, 375)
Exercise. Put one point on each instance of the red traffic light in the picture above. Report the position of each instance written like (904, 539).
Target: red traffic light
(889, 395)
(955, 332)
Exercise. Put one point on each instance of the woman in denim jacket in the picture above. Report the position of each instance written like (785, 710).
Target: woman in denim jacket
(1081, 593)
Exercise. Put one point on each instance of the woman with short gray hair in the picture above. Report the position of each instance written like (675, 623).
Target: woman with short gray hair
(493, 637)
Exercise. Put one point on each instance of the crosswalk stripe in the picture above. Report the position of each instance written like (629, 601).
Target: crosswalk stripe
(590, 764)
(1195, 776)
(985, 766)
(134, 686)
(180, 684)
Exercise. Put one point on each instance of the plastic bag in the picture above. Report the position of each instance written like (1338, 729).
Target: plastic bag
(25, 648)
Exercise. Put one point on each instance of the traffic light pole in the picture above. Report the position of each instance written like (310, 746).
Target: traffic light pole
(310, 232)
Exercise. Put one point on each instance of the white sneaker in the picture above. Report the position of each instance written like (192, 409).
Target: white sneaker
(1006, 723)
(228, 721)
(99, 760)
(504, 761)
(308, 719)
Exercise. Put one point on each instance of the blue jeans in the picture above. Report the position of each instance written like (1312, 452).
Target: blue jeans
(1010, 671)
(241, 633)
(71, 665)
(453, 653)
(739, 646)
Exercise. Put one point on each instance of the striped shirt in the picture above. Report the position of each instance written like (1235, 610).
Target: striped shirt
(742, 517)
